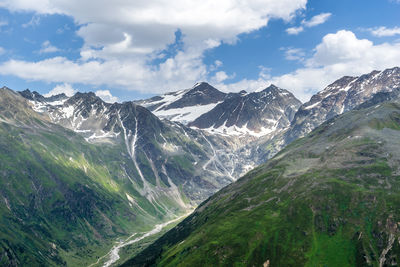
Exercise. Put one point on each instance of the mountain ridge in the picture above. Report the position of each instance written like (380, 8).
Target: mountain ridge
(330, 193)
(209, 115)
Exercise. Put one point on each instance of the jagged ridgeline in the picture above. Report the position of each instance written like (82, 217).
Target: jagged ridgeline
(331, 198)
(78, 173)
(65, 199)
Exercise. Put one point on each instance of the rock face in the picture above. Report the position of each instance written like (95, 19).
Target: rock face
(35, 96)
(257, 114)
(334, 192)
(235, 114)
(166, 154)
(81, 172)
(343, 95)
(186, 105)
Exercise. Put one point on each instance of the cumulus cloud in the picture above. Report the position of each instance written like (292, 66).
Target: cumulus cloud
(60, 89)
(384, 32)
(221, 76)
(106, 96)
(122, 38)
(314, 21)
(172, 74)
(294, 30)
(338, 54)
(47, 47)
(296, 54)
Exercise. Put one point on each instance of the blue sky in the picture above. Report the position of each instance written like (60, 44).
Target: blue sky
(135, 49)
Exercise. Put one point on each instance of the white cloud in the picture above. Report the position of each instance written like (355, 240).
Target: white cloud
(314, 21)
(339, 54)
(150, 25)
(296, 54)
(172, 74)
(217, 64)
(62, 88)
(47, 47)
(317, 20)
(122, 37)
(2, 50)
(294, 30)
(385, 32)
(106, 96)
(221, 76)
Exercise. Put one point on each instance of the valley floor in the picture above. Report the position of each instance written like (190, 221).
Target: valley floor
(113, 256)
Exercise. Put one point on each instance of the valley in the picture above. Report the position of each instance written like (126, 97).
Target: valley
(330, 198)
(116, 171)
(170, 133)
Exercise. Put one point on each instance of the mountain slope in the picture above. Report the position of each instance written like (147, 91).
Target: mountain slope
(186, 105)
(257, 113)
(166, 155)
(67, 195)
(329, 199)
(343, 95)
(347, 93)
(62, 200)
(235, 114)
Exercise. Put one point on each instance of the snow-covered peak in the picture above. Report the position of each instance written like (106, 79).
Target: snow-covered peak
(185, 106)
(342, 95)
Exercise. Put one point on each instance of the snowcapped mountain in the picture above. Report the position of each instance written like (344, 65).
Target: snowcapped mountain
(166, 154)
(186, 105)
(331, 193)
(235, 114)
(256, 114)
(42, 103)
(343, 95)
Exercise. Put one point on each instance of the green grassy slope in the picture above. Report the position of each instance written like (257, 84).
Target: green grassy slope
(63, 201)
(329, 199)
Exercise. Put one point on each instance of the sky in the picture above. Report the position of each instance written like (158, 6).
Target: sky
(125, 50)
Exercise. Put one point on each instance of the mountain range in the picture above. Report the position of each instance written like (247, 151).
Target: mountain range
(328, 199)
(80, 173)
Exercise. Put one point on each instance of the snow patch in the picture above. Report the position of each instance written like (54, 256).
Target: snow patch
(312, 105)
(347, 88)
(68, 112)
(130, 199)
(186, 114)
(165, 100)
(239, 131)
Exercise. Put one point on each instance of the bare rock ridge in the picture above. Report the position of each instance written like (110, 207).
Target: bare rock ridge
(343, 95)
(150, 159)
(232, 114)
(257, 113)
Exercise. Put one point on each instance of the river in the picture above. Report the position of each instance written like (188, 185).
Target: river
(113, 254)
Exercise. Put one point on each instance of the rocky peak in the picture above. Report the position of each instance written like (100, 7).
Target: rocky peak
(272, 88)
(35, 96)
(200, 94)
(257, 113)
(89, 96)
(342, 95)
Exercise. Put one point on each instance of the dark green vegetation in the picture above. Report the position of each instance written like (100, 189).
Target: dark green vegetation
(63, 201)
(329, 199)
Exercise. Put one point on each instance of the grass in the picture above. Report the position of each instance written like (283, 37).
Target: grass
(66, 192)
(308, 206)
